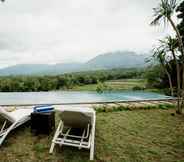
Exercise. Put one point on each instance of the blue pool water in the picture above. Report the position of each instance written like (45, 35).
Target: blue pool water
(7, 98)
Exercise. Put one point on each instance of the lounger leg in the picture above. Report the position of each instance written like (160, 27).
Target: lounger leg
(52, 148)
(92, 152)
(82, 138)
(92, 139)
(4, 124)
(55, 136)
(6, 133)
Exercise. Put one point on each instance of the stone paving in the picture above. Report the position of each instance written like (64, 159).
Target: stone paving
(132, 104)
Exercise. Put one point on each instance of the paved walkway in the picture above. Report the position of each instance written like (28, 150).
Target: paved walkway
(126, 104)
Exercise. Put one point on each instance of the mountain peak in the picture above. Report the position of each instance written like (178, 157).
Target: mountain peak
(123, 59)
(109, 60)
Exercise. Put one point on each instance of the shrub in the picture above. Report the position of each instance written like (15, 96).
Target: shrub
(137, 88)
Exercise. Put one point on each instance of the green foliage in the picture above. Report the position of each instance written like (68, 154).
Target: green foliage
(164, 11)
(180, 15)
(137, 88)
(65, 81)
(156, 78)
(101, 87)
(105, 108)
(163, 14)
(153, 76)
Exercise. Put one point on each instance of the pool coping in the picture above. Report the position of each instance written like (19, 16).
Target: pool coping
(91, 103)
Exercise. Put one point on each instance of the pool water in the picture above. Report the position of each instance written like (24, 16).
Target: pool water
(8, 98)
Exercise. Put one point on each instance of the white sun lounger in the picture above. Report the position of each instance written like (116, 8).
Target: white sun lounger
(16, 117)
(78, 118)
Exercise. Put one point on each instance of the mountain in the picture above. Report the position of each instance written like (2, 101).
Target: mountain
(63, 68)
(119, 59)
(36, 69)
(24, 69)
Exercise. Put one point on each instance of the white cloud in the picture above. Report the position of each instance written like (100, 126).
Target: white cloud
(53, 31)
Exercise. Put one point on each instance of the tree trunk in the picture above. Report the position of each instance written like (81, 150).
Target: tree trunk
(178, 36)
(169, 78)
(181, 46)
(178, 81)
(170, 83)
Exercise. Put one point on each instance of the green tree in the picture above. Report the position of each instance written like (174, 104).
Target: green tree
(163, 13)
(153, 76)
(170, 46)
(160, 55)
(180, 10)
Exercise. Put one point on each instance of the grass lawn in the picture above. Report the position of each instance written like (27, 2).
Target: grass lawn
(122, 84)
(126, 84)
(123, 136)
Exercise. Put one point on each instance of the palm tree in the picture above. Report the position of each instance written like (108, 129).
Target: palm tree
(170, 46)
(163, 13)
(159, 54)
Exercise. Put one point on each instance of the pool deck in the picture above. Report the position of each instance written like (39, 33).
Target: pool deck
(130, 104)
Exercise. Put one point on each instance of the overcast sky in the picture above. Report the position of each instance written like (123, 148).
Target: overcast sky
(55, 31)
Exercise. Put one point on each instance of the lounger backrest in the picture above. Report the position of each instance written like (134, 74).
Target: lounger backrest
(5, 114)
(75, 119)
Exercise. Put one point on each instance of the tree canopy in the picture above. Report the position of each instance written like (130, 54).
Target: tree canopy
(180, 11)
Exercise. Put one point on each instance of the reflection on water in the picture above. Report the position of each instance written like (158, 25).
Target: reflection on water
(74, 97)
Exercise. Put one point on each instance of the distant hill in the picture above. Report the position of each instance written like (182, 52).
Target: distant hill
(117, 60)
(37, 69)
(120, 59)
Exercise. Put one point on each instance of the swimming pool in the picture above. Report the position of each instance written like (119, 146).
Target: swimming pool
(8, 98)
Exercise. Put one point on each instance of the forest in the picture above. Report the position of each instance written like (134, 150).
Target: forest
(65, 81)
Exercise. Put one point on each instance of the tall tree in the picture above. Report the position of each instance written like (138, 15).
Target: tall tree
(163, 13)
(169, 44)
(180, 26)
(160, 55)
(180, 10)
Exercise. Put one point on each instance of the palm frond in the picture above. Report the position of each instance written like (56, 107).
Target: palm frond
(164, 11)
(156, 20)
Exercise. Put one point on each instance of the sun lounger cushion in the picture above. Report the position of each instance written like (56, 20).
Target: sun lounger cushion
(10, 109)
(16, 115)
(75, 119)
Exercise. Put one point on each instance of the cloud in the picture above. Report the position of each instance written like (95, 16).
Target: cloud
(53, 31)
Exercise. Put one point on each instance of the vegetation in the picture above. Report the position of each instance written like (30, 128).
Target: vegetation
(173, 46)
(157, 80)
(160, 56)
(127, 84)
(110, 85)
(180, 26)
(131, 106)
(146, 134)
(66, 81)
(102, 87)
(121, 136)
